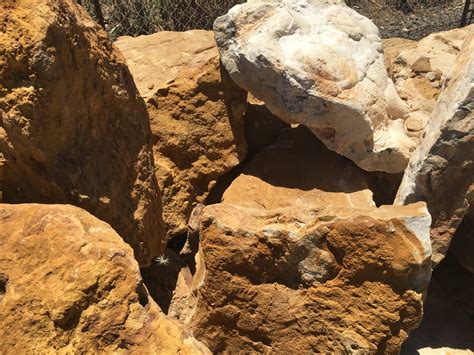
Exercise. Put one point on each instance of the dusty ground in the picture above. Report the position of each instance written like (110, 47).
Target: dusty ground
(425, 16)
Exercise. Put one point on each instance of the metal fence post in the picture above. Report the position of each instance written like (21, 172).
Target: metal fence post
(467, 11)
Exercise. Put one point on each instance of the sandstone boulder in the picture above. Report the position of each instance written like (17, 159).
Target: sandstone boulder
(73, 128)
(298, 170)
(418, 69)
(196, 115)
(316, 280)
(319, 63)
(441, 170)
(69, 284)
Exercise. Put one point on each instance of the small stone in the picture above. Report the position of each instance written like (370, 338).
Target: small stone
(421, 65)
(400, 82)
(431, 76)
(413, 124)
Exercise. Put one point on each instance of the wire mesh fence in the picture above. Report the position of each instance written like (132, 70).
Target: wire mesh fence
(137, 17)
(396, 18)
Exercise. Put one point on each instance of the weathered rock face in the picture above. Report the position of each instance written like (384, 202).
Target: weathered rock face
(441, 170)
(297, 240)
(196, 115)
(319, 63)
(314, 280)
(69, 284)
(298, 170)
(73, 128)
(418, 69)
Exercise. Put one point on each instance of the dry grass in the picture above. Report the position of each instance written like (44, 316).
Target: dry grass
(404, 18)
(137, 17)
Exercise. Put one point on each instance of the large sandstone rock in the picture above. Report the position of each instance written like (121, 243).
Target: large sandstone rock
(69, 284)
(441, 170)
(196, 115)
(321, 64)
(317, 280)
(298, 170)
(72, 126)
(418, 69)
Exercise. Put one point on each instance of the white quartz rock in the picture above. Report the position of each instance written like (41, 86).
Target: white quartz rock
(319, 63)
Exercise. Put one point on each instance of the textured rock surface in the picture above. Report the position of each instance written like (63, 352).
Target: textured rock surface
(69, 284)
(72, 127)
(315, 280)
(441, 170)
(196, 115)
(319, 63)
(418, 68)
(298, 170)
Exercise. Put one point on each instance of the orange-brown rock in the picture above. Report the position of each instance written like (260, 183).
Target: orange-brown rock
(418, 68)
(441, 170)
(196, 115)
(317, 280)
(69, 284)
(73, 128)
(298, 170)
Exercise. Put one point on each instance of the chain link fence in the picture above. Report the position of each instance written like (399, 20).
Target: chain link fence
(138, 17)
(412, 19)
